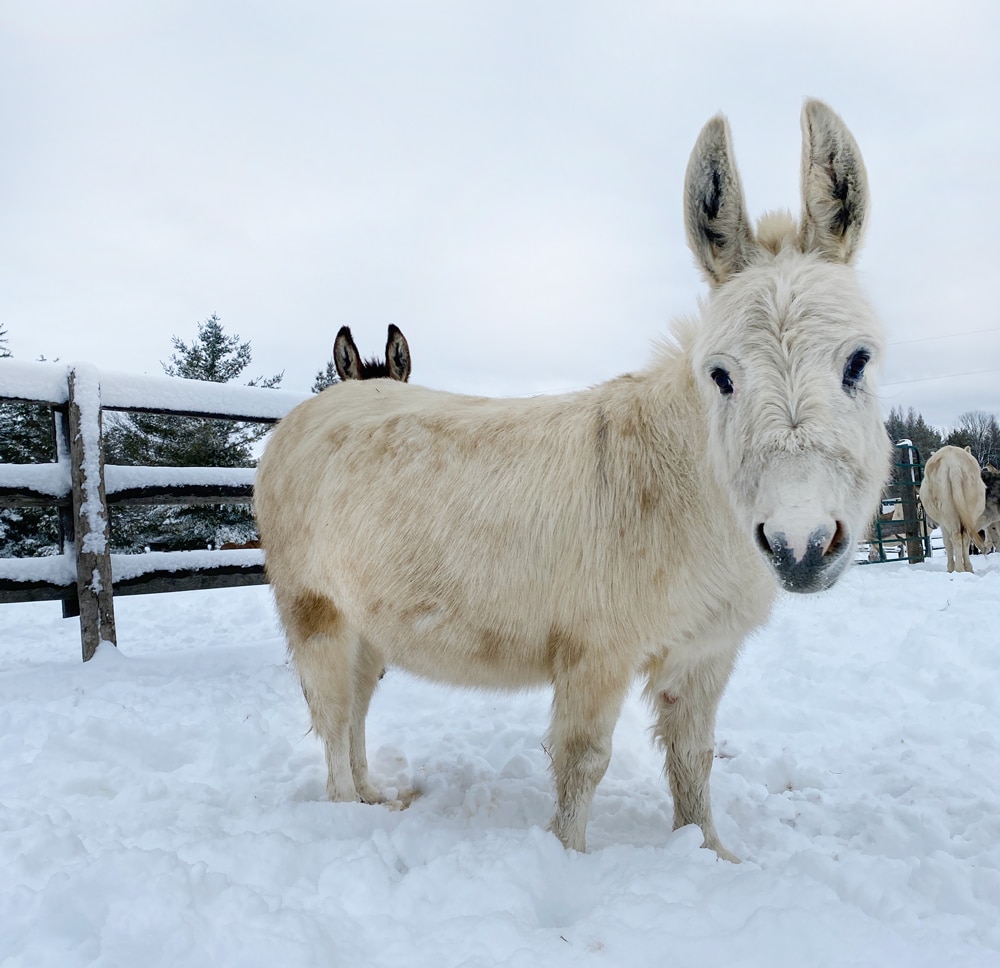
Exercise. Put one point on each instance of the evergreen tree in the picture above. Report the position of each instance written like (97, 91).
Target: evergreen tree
(175, 441)
(912, 427)
(213, 356)
(325, 378)
(27, 436)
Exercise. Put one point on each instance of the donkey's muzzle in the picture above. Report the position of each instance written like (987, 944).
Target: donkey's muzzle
(811, 566)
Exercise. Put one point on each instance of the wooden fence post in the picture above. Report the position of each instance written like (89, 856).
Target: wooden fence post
(90, 512)
(67, 530)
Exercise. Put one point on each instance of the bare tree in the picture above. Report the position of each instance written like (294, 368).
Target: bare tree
(979, 431)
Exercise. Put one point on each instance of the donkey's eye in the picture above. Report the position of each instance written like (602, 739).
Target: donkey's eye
(723, 381)
(855, 370)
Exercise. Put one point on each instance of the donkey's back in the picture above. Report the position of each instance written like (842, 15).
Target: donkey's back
(496, 528)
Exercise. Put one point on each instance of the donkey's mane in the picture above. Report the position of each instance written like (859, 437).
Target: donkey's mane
(673, 350)
(374, 368)
(777, 230)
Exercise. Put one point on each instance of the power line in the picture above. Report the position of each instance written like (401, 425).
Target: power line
(924, 339)
(944, 376)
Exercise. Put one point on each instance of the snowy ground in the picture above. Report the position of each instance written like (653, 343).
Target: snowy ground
(164, 805)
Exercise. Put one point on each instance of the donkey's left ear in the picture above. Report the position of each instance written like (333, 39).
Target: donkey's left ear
(834, 185)
(397, 354)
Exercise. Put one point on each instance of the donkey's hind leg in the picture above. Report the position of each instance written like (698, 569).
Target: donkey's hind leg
(325, 651)
(368, 669)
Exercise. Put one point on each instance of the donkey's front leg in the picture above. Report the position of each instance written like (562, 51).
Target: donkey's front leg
(686, 703)
(585, 709)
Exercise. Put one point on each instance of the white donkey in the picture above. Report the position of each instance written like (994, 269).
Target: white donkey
(561, 539)
(953, 494)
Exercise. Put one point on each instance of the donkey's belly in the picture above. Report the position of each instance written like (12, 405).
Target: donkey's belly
(463, 654)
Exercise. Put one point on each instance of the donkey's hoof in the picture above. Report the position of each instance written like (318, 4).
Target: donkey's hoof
(403, 799)
(370, 794)
(721, 851)
(571, 839)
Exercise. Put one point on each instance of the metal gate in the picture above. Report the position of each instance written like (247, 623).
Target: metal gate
(899, 531)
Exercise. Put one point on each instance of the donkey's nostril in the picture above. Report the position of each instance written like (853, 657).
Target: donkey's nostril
(841, 537)
(762, 543)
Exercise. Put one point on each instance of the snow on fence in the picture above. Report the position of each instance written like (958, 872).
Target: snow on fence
(85, 577)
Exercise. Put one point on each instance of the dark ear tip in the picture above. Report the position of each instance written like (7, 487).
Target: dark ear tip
(394, 330)
(344, 332)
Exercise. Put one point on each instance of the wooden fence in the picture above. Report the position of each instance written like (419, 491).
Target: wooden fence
(86, 576)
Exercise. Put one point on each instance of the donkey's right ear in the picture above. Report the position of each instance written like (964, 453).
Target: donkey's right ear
(715, 215)
(346, 357)
(397, 355)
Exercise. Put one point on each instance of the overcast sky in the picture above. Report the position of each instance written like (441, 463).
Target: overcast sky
(502, 180)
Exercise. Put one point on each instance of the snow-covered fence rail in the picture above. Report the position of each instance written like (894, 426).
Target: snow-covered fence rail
(86, 576)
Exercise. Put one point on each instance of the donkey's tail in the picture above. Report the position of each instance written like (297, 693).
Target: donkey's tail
(970, 527)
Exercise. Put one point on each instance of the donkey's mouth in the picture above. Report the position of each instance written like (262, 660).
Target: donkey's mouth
(814, 569)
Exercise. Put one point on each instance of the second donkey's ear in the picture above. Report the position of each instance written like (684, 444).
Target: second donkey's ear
(346, 357)
(397, 355)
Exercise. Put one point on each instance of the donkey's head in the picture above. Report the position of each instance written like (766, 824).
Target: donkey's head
(786, 352)
(350, 366)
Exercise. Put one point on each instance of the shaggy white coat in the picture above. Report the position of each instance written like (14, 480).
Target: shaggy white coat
(638, 528)
(953, 494)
